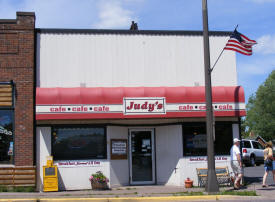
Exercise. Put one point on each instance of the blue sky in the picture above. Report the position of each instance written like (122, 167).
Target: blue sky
(254, 17)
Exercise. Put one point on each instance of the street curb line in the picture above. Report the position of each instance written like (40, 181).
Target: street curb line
(147, 198)
(201, 197)
(19, 199)
(214, 197)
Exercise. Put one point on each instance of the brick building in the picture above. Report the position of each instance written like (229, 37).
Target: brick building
(17, 90)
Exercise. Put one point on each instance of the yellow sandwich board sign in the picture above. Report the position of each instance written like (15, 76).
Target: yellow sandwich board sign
(50, 178)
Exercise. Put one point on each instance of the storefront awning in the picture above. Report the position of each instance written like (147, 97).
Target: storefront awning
(136, 102)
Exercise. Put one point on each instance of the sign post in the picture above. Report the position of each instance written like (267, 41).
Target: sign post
(212, 183)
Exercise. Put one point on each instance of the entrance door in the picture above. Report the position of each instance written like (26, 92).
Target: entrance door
(142, 156)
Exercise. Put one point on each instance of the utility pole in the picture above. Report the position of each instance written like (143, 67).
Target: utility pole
(212, 183)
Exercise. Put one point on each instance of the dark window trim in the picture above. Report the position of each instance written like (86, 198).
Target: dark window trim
(11, 108)
(202, 124)
(131, 125)
(80, 126)
(155, 155)
(11, 82)
(13, 135)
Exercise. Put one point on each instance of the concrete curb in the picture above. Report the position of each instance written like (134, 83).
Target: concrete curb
(124, 199)
(17, 199)
(166, 198)
(137, 199)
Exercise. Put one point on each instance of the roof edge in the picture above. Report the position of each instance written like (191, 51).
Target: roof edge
(7, 21)
(130, 32)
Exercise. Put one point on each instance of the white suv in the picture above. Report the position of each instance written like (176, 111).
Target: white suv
(252, 152)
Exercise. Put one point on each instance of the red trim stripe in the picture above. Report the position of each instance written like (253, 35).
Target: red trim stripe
(238, 47)
(247, 39)
(235, 45)
(242, 52)
(240, 44)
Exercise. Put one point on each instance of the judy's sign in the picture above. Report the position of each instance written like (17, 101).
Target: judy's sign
(144, 105)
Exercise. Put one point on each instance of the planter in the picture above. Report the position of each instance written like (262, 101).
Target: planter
(99, 185)
(188, 183)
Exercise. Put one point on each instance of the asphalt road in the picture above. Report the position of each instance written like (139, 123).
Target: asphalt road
(254, 175)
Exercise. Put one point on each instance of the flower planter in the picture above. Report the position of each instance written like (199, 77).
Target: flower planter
(99, 181)
(188, 183)
(99, 185)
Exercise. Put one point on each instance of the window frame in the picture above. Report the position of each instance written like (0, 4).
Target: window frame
(12, 109)
(245, 146)
(80, 126)
(190, 124)
(258, 145)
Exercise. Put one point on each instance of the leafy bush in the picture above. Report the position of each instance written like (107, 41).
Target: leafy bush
(16, 189)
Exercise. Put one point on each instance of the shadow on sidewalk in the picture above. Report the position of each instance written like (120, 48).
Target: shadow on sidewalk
(251, 180)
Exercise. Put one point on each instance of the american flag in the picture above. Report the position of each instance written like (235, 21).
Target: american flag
(240, 43)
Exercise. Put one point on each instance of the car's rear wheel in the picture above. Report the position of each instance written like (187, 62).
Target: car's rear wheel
(252, 161)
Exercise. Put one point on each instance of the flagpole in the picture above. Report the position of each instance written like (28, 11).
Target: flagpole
(212, 183)
(217, 60)
(221, 52)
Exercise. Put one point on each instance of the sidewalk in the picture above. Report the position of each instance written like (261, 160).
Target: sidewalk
(133, 193)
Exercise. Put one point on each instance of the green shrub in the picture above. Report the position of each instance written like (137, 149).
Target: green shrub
(16, 189)
(3, 188)
(239, 193)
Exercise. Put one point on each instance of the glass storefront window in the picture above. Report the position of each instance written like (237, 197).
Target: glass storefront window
(195, 140)
(6, 137)
(75, 143)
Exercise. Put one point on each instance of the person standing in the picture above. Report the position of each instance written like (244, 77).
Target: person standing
(268, 161)
(236, 162)
(273, 171)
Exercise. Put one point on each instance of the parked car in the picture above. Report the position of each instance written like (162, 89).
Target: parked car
(252, 152)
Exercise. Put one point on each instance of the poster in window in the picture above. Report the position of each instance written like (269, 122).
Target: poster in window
(10, 152)
(118, 149)
(199, 141)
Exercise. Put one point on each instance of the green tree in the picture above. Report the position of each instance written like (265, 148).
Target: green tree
(261, 110)
(244, 132)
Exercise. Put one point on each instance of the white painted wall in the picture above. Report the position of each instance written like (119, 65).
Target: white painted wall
(77, 177)
(119, 169)
(43, 149)
(112, 60)
(168, 154)
(188, 168)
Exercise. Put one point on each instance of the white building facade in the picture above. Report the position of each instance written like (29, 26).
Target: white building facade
(132, 105)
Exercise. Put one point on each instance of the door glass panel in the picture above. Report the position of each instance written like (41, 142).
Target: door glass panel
(141, 146)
